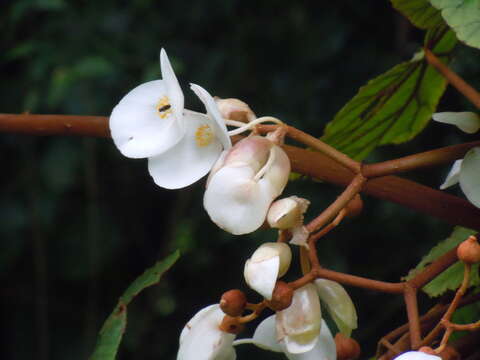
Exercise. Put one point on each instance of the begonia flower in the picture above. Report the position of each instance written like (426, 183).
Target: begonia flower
(339, 304)
(202, 339)
(243, 184)
(465, 171)
(417, 355)
(268, 263)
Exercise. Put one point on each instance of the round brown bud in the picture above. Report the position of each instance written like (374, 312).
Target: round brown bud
(231, 325)
(347, 348)
(281, 296)
(469, 251)
(233, 302)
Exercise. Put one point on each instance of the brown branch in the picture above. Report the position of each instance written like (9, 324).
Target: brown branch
(410, 296)
(461, 85)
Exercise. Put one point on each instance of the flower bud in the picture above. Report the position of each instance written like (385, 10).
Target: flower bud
(469, 251)
(287, 213)
(233, 302)
(231, 325)
(269, 262)
(347, 348)
(281, 296)
(234, 109)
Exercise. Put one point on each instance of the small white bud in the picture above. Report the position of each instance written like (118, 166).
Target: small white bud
(234, 109)
(287, 213)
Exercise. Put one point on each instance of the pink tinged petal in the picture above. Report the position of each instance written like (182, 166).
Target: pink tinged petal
(190, 159)
(136, 127)
(277, 175)
(252, 151)
(299, 325)
(201, 339)
(264, 336)
(466, 121)
(235, 202)
(339, 304)
(470, 176)
(417, 355)
(212, 110)
(324, 349)
(453, 176)
(173, 88)
(261, 276)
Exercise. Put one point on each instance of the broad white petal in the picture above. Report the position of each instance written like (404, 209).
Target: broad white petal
(204, 340)
(173, 88)
(235, 202)
(470, 176)
(339, 304)
(277, 175)
(136, 127)
(324, 349)
(264, 336)
(190, 159)
(453, 176)
(212, 110)
(466, 121)
(416, 355)
(261, 276)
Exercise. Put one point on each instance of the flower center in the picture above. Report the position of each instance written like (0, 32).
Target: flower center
(204, 135)
(163, 107)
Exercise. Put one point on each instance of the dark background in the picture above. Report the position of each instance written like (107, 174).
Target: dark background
(78, 222)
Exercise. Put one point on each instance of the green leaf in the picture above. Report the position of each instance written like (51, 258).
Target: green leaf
(393, 107)
(420, 12)
(112, 330)
(451, 278)
(463, 16)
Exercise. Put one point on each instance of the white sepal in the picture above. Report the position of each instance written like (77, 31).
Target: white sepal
(466, 121)
(453, 176)
(470, 176)
(264, 336)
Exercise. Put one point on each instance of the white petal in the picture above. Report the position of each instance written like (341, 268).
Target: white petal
(466, 121)
(339, 304)
(417, 355)
(324, 349)
(299, 324)
(203, 340)
(299, 236)
(190, 159)
(277, 175)
(173, 88)
(261, 276)
(470, 176)
(264, 336)
(212, 110)
(136, 127)
(235, 202)
(453, 175)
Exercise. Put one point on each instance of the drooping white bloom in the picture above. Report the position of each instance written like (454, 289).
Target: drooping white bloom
(417, 355)
(265, 337)
(466, 121)
(243, 184)
(339, 304)
(269, 262)
(298, 326)
(201, 338)
(288, 213)
(181, 145)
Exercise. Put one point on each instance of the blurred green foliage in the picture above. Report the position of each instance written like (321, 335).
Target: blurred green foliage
(79, 222)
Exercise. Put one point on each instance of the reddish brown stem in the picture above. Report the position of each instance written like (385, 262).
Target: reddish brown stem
(410, 296)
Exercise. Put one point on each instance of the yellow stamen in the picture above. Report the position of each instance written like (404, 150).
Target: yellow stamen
(204, 135)
(164, 109)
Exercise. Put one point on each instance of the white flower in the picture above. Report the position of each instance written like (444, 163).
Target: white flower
(339, 304)
(269, 262)
(201, 338)
(417, 355)
(265, 337)
(466, 171)
(288, 213)
(243, 184)
(181, 145)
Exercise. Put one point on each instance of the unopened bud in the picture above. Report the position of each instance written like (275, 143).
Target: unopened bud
(287, 213)
(233, 302)
(469, 251)
(234, 109)
(347, 348)
(354, 206)
(231, 325)
(269, 250)
(281, 296)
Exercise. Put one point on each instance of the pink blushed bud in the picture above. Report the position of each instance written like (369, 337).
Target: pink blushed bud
(234, 109)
